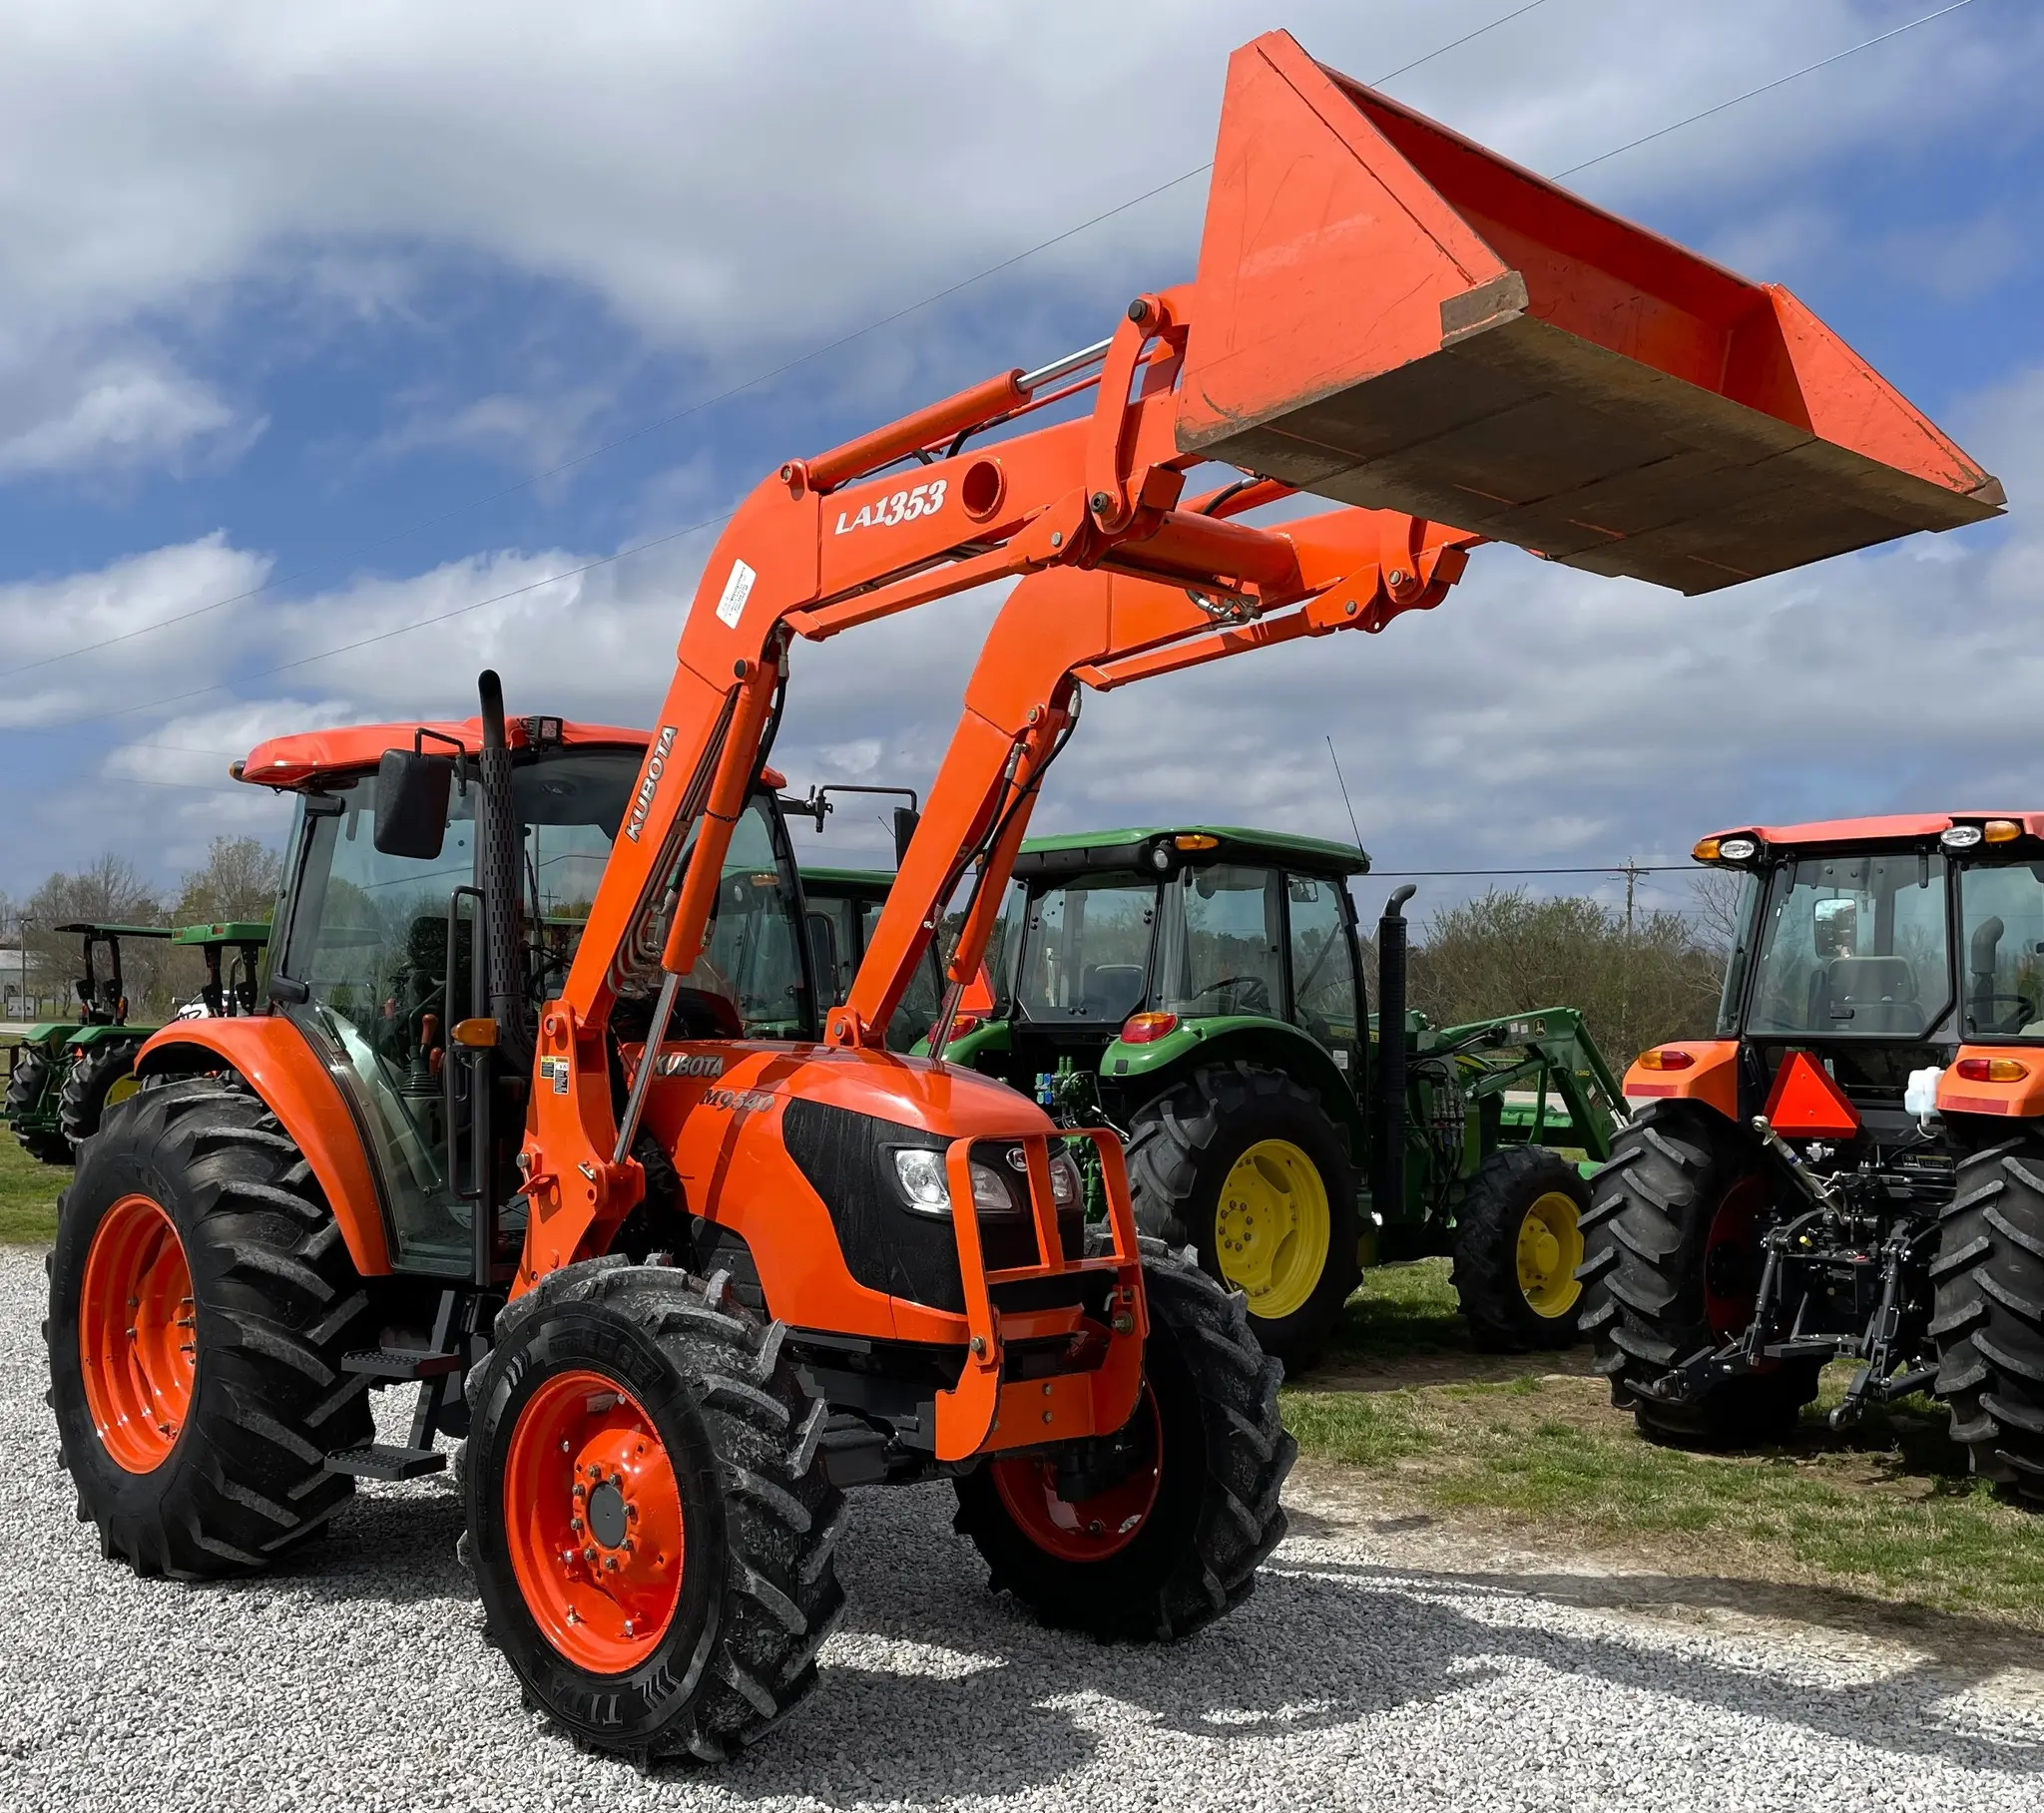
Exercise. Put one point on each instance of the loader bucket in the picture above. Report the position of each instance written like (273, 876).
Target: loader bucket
(1390, 316)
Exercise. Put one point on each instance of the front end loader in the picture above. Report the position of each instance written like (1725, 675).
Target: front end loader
(1852, 1169)
(700, 1257)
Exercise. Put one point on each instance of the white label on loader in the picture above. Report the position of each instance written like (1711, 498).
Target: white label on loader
(737, 590)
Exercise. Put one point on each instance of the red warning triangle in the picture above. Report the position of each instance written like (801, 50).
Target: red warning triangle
(1808, 1103)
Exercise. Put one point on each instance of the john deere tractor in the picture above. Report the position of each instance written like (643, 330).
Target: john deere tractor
(1199, 988)
(62, 1070)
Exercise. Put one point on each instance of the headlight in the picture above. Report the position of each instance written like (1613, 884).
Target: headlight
(921, 1174)
(924, 1182)
(1065, 1186)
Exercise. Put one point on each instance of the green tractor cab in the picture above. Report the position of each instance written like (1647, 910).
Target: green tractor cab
(840, 909)
(46, 1098)
(1199, 988)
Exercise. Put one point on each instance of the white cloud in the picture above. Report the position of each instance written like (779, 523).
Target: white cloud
(124, 411)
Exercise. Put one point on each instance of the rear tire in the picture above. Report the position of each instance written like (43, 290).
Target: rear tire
(1671, 1272)
(82, 1107)
(238, 1476)
(1518, 1244)
(1184, 1149)
(26, 1088)
(1221, 1458)
(1989, 1320)
(737, 1460)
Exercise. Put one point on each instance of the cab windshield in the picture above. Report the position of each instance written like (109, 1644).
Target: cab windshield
(1085, 953)
(1853, 946)
(2001, 915)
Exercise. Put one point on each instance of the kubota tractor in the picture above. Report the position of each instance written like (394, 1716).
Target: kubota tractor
(1854, 1167)
(1200, 989)
(702, 1259)
(63, 1070)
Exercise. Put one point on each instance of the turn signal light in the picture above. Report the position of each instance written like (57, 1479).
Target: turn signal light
(1666, 1058)
(1197, 840)
(2002, 830)
(1992, 1069)
(1706, 850)
(1146, 1028)
(477, 1034)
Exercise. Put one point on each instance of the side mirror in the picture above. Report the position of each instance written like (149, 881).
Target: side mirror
(823, 957)
(411, 804)
(1834, 927)
(906, 819)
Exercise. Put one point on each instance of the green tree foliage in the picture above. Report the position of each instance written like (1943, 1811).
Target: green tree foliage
(238, 881)
(1507, 952)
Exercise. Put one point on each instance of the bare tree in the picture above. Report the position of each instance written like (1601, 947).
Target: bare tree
(1719, 897)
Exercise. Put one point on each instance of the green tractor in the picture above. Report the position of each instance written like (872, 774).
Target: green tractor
(65, 1075)
(1200, 990)
(841, 907)
(41, 1099)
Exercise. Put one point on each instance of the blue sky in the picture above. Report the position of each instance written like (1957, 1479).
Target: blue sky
(318, 304)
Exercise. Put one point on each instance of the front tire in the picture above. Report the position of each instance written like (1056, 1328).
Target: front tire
(672, 1603)
(1243, 1165)
(1176, 1542)
(1671, 1271)
(1518, 1244)
(100, 1070)
(201, 1298)
(27, 1085)
(1989, 1315)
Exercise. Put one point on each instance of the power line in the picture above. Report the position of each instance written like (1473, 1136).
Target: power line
(1765, 87)
(709, 403)
(1600, 868)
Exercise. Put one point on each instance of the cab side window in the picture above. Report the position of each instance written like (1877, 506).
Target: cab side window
(1322, 961)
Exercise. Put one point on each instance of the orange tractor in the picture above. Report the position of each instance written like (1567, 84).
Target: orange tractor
(699, 1255)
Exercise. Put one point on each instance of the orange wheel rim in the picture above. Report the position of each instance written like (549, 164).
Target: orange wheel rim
(136, 1335)
(593, 1521)
(1092, 1528)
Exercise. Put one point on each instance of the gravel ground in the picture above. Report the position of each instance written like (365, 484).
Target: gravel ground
(1378, 1665)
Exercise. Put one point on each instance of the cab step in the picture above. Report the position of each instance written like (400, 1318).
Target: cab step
(381, 1460)
(401, 1363)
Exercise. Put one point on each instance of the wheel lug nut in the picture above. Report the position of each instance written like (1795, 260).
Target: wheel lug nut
(589, 1554)
(575, 1524)
(610, 1564)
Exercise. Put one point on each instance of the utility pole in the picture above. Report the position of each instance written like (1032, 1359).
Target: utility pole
(1632, 875)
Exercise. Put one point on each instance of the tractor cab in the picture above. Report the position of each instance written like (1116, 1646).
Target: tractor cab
(1121, 952)
(376, 958)
(1867, 952)
(841, 908)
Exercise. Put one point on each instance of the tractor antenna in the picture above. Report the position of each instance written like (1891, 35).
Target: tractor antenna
(1343, 786)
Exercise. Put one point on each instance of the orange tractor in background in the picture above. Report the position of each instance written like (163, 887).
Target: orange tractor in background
(699, 1255)
(1854, 1167)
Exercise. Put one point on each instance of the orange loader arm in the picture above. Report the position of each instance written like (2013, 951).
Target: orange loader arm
(1385, 314)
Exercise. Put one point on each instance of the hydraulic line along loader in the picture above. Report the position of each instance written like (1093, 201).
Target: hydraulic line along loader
(1854, 1167)
(703, 1263)
(62, 1071)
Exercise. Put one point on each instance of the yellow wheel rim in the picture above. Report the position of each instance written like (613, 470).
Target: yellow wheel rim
(1272, 1228)
(121, 1090)
(1550, 1249)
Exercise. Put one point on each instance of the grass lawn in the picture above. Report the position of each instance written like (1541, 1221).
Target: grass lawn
(1885, 1509)
(28, 1193)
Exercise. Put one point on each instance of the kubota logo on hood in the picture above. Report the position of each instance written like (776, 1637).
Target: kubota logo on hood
(656, 767)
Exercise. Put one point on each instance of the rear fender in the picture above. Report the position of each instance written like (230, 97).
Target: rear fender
(1711, 1077)
(271, 1055)
(1275, 1045)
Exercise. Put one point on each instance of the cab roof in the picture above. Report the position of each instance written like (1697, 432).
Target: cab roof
(1074, 853)
(875, 882)
(307, 755)
(1900, 827)
(227, 931)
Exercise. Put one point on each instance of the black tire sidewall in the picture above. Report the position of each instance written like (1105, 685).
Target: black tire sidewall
(1500, 1195)
(618, 1711)
(93, 1075)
